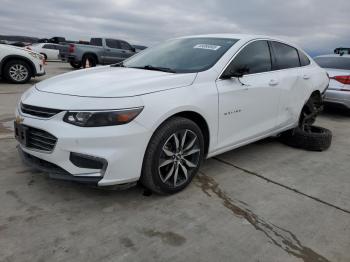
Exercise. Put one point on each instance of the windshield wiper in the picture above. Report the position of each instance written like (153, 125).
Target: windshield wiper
(156, 68)
(120, 64)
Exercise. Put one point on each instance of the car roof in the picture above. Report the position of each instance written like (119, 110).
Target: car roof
(333, 55)
(245, 37)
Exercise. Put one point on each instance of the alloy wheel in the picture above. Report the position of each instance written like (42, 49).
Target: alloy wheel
(180, 155)
(18, 72)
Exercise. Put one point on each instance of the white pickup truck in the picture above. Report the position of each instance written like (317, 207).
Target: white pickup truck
(18, 65)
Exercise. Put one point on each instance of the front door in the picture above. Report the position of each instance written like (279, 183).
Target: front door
(248, 106)
(113, 51)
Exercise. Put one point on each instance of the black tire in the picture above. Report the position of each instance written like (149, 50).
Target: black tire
(92, 60)
(310, 111)
(314, 139)
(152, 177)
(75, 65)
(11, 65)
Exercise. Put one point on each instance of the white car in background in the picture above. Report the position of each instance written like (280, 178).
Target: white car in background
(157, 115)
(48, 50)
(18, 65)
(338, 68)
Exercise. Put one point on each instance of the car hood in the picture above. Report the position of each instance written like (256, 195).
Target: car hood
(107, 81)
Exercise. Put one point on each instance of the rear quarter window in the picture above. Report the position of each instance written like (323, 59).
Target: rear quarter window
(304, 60)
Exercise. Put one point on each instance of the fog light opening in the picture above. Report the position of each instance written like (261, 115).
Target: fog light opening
(88, 162)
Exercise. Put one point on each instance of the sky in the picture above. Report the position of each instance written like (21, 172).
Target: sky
(318, 26)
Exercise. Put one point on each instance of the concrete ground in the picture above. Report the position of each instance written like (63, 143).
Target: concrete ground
(263, 202)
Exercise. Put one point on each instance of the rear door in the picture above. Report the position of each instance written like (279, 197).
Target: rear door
(293, 92)
(113, 52)
(51, 51)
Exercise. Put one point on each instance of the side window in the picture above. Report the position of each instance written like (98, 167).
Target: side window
(125, 45)
(47, 46)
(96, 41)
(286, 56)
(304, 60)
(111, 43)
(254, 58)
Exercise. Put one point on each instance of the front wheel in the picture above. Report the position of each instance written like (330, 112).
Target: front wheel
(173, 156)
(17, 71)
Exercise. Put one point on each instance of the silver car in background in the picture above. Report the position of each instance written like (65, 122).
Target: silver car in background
(338, 68)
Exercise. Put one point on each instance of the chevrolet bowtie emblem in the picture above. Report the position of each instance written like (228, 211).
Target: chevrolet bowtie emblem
(19, 119)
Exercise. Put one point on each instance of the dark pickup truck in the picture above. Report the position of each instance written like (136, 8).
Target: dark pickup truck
(103, 51)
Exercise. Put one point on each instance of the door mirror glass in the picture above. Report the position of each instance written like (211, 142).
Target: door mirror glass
(238, 73)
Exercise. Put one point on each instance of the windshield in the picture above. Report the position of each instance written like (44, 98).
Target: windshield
(185, 55)
(334, 62)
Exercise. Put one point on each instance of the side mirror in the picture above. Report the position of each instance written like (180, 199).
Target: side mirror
(133, 49)
(236, 74)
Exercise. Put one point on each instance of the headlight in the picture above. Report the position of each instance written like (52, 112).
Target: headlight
(35, 55)
(101, 118)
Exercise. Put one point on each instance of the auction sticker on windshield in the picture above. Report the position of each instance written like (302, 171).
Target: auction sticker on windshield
(208, 47)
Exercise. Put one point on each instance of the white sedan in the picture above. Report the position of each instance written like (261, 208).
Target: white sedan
(338, 68)
(48, 50)
(157, 115)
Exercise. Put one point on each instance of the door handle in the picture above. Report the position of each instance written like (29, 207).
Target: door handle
(273, 82)
(109, 50)
(306, 77)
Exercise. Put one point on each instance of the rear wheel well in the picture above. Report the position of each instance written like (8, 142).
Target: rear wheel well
(200, 121)
(91, 55)
(44, 55)
(317, 95)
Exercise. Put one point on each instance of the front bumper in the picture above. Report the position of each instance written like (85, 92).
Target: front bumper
(39, 68)
(53, 170)
(337, 97)
(122, 147)
(40, 74)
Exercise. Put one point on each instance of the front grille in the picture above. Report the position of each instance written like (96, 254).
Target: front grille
(39, 111)
(40, 139)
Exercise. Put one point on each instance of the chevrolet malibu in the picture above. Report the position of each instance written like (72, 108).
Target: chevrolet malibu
(157, 115)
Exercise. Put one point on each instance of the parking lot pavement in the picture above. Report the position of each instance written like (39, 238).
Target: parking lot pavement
(263, 202)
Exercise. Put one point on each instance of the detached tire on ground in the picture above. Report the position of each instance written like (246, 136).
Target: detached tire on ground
(173, 156)
(314, 139)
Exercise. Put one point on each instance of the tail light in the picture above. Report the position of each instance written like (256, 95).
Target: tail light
(71, 48)
(342, 79)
